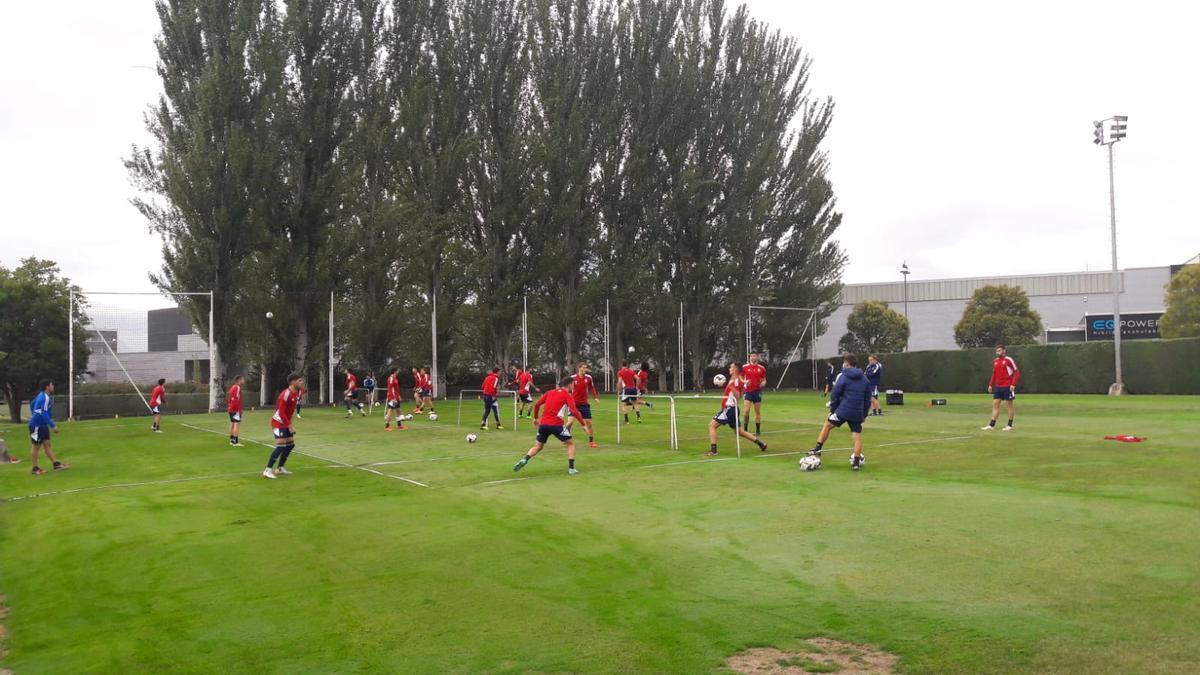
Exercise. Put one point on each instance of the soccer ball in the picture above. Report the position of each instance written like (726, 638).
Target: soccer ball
(630, 349)
(471, 438)
(810, 463)
(719, 380)
(432, 417)
(270, 315)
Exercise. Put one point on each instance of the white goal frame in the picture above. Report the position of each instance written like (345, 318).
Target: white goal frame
(213, 366)
(810, 329)
(499, 392)
(674, 430)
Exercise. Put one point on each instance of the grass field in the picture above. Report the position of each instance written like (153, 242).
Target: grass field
(1046, 549)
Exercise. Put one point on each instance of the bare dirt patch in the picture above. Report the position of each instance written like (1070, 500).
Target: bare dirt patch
(821, 655)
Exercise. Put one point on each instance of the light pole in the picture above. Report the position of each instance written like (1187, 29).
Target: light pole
(904, 275)
(1108, 132)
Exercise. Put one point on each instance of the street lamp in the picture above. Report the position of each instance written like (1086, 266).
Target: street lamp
(1108, 132)
(904, 275)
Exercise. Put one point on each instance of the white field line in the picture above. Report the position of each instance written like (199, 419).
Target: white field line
(773, 431)
(881, 445)
(690, 461)
(323, 459)
(167, 481)
(438, 459)
(506, 480)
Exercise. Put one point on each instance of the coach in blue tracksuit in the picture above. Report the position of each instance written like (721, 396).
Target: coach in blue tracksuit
(41, 421)
(849, 403)
(874, 376)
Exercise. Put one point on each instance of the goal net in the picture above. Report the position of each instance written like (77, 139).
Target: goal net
(136, 339)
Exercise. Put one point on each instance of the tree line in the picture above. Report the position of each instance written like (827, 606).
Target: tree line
(474, 153)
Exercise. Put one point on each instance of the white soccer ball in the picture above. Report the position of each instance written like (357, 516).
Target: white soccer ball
(432, 417)
(810, 463)
(719, 380)
(630, 349)
(471, 438)
(406, 418)
(270, 315)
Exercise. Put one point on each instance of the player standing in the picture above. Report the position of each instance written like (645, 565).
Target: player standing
(848, 404)
(524, 384)
(369, 385)
(581, 386)
(755, 375)
(426, 390)
(557, 402)
(629, 391)
(282, 429)
(392, 404)
(418, 380)
(490, 387)
(158, 396)
(1003, 387)
(874, 377)
(351, 395)
(830, 376)
(233, 406)
(41, 422)
(729, 412)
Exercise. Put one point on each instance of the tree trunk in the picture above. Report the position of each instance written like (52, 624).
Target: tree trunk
(323, 378)
(14, 404)
(262, 387)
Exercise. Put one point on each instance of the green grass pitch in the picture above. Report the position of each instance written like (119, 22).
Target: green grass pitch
(1046, 549)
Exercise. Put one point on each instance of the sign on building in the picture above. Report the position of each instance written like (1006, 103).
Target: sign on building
(1139, 326)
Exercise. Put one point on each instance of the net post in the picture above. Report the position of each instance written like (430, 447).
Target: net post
(71, 356)
(331, 395)
(460, 400)
(212, 358)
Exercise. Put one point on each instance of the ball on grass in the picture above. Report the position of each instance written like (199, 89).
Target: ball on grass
(471, 438)
(432, 417)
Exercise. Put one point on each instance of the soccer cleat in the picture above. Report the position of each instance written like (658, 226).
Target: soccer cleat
(987, 428)
(649, 405)
(387, 428)
(815, 452)
(61, 466)
(282, 472)
(483, 427)
(520, 464)
(500, 427)
(268, 473)
(37, 471)
(572, 471)
(711, 453)
(1007, 428)
(762, 448)
(592, 444)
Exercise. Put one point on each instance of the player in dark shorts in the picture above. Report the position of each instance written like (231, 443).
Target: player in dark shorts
(41, 423)
(848, 404)
(556, 403)
(729, 412)
(581, 387)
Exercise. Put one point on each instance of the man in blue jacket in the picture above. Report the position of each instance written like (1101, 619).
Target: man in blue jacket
(41, 421)
(874, 376)
(848, 404)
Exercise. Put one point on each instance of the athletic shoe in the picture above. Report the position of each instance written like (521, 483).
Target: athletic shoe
(483, 427)
(13, 460)
(592, 444)
(37, 471)
(387, 428)
(572, 471)
(711, 453)
(239, 444)
(520, 464)
(282, 472)
(61, 466)
(298, 416)
(158, 431)
(763, 448)
(268, 473)
(1007, 428)
(815, 452)
(499, 427)
(649, 405)
(987, 428)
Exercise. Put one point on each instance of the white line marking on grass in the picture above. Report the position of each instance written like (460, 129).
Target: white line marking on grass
(690, 461)
(437, 459)
(774, 431)
(506, 480)
(881, 445)
(323, 459)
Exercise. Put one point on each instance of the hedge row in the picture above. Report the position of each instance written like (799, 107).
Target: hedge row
(1150, 367)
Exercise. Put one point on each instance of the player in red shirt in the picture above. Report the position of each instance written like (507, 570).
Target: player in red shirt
(234, 407)
(426, 390)
(729, 412)
(392, 403)
(755, 375)
(629, 390)
(557, 403)
(581, 386)
(282, 429)
(643, 382)
(491, 388)
(158, 396)
(1003, 387)
(351, 396)
(524, 382)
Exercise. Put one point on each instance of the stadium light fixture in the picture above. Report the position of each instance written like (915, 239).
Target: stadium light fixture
(904, 275)
(1108, 132)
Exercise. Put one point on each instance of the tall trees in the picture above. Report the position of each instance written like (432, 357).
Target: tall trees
(1182, 318)
(873, 327)
(997, 315)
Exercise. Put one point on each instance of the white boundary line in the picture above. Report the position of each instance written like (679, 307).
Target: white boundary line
(690, 461)
(168, 481)
(881, 445)
(506, 480)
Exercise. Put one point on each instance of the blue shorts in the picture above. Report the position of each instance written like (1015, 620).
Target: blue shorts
(526, 398)
(155, 410)
(628, 395)
(39, 434)
(875, 391)
(545, 431)
(489, 402)
(282, 434)
(836, 421)
(1004, 394)
(728, 416)
(753, 396)
(585, 410)
(235, 417)
(425, 393)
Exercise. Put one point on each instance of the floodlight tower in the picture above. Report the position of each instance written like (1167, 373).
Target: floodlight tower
(904, 272)
(1107, 132)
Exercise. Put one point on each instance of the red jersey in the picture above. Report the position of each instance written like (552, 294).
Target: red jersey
(524, 380)
(557, 402)
(1004, 372)
(351, 382)
(643, 378)
(733, 391)
(235, 399)
(285, 407)
(158, 396)
(393, 388)
(490, 383)
(425, 382)
(627, 377)
(754, 375)
(584, 386)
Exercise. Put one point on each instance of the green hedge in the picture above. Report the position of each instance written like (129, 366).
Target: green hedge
(1150, 367)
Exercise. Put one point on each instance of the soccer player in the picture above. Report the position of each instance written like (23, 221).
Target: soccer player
(629, 391)
(300, 401)
(392, 405)
(874, 376)
(755, 375)
(729, 412)
(830, 376)
(369, 385)
(643, 383)
(234, 407)
(158, 396)
(418, 381)
(41, 423)
(849, 402)
(426, 390)
(581, 386)
(557, 402)
(490, 387)
(1003, 387)
(524, 382)
(351, 395)
(282, 429)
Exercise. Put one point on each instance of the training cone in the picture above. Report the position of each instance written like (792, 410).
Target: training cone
(1125, 439)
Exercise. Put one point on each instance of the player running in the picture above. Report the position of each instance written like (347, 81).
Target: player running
(392, 403)
(490, 387)
(581, 386)
(1003, 387)
(729, 412)
(848, 404)
(643, 384)
(233, 406)
(351, 395)
(874, 377)
(158, 396)
(524, 382)
(41, 423)
(629, 391)
(282, 429)
(557, 403)
(755, 376)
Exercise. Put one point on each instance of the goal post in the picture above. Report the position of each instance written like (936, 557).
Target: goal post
(809, 331)
(672, 428)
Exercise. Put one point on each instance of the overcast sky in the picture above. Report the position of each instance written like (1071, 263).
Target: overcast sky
(961, 141)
